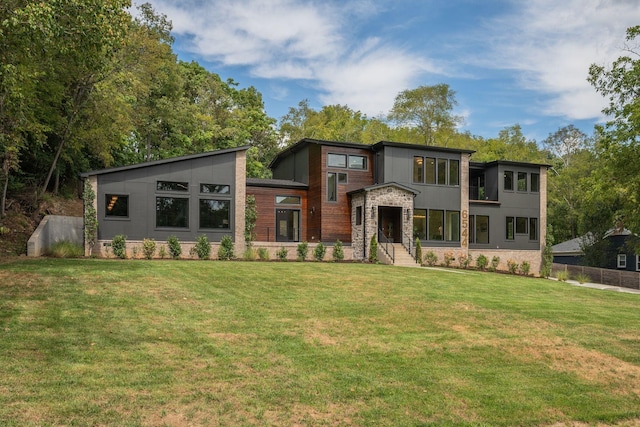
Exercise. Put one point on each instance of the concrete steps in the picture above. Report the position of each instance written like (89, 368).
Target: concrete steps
(402, 257)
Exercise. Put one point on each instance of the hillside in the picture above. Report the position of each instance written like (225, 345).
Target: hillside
(23, 216)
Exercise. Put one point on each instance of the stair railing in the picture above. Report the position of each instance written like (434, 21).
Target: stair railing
(386, 245)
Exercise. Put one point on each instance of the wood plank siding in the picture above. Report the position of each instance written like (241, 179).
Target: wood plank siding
(266, 207)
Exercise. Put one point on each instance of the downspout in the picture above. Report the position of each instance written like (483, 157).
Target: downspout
(364, 230)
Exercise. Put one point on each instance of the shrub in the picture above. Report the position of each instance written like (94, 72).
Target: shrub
(202, 247)
(524, 268)
(338, 251)
(418, 251)
(319, 252)
(65, 249)
(175, 249)
(583, 278)
(119, 246)
(482, 262)
(512, 266)
(149, 248)
(250, 218)
(431, 258)
(562, 275)
(225, 251)
(302, 251)
(448, 259)
(373, 249)
(495, 261)
(162, 252)
(282, 254)
(464, 260)
(263, 254)
(249, 254)
(134, 252)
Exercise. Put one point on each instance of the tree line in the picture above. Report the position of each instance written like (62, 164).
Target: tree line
(86, 85)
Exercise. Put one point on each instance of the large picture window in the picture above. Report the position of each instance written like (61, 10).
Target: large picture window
(116, 206)
(214, 213)
(436, 225)
(172, 212)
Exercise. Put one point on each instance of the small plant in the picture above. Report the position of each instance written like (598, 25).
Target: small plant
(149, 248)
(524, 268)
(162, 252)
(373, 250)
(119, 246)
(512, 266)
(282, 254)
(338, 251)
(175, 249)
(418, 251)
(134, 252)
(430, 258)
(583, 278)
(562, 275)
(319, 252)
(464, 260)
(482, 261)
(90, 216)
(225, 251)
(249, 254)
(202, 247)
(263, 254)
(65, 249)
(448, 259)
(302, 251)
(495, 261)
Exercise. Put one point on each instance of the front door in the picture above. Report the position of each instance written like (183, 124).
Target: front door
(287, 225)
(390, 222)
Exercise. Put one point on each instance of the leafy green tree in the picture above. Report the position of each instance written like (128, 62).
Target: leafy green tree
(428, 109)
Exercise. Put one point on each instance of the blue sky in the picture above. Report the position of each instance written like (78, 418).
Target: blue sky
(509, 61)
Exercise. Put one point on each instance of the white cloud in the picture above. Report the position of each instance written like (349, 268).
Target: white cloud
(552, 44)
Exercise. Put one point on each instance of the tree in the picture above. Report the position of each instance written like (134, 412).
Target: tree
(427, 109)
(566, 142)
(620, 136)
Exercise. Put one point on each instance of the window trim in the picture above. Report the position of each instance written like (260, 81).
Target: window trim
(344, 156)
(203, 185)
(346, 178)
(523, 220)
(622, 261)
(290, 196)
(359, 215)
(637, 262)
(109, 197)
(536, 237)
(184, 184)
(365, 162)
(473, 229)
(418, 162)
(228, 225)
(537, 181)
(335, 188)
(504, 180)
(523, 180)
(186, 226)
(512, 228)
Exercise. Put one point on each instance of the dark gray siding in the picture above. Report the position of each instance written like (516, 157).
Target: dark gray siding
(295, 167)
(140, 185)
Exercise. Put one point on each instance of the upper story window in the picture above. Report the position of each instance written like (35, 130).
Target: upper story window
(508, 180)
(172, 186)
(344, 161)
(522, 181)
(287, 200)
(535, 182)
(431, 170)
(215, 188)
(117, 206)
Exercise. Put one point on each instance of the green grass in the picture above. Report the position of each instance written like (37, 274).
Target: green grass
(111, 342)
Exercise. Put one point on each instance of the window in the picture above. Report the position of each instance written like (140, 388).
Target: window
(533, 228)
(418, 169)
(420, 223)
(454, 172)
(622, 261)
(357, 162)
(172, 212)
(436, 225)
(479, 229)
(522, 181)
(521, 225)
(637, 262)
(117, 206)
(508, 180)
(510, 228)
(337, 160)
(342, 178)
(430, 168)
(172, 186)
(332, 187)
(535, 182)
(213, 188)
(452, 222)
(442, 171)
(214, 213)
(358, 215)
(287, 200)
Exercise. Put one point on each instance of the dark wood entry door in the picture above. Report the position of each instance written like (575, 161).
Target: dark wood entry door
(390, 222)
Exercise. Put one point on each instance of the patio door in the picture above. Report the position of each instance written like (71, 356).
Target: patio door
(288, 225)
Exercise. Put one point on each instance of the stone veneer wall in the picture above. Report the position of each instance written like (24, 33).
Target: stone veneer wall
(240, 200)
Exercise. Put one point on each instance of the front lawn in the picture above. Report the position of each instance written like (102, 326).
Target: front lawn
(109, 342)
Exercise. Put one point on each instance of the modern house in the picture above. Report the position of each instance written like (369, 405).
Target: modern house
(324, 191)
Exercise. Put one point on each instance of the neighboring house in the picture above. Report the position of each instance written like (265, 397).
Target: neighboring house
(328, 191)
(615, 251)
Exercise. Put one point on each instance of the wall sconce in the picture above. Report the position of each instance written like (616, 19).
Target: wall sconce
(313, 210)
(373, 212)
(408, 214)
